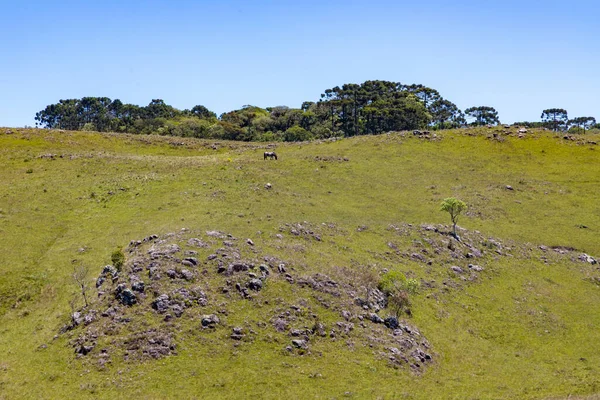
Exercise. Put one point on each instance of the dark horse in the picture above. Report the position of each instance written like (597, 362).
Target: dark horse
(270, 154)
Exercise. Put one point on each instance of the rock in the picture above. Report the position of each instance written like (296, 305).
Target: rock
(187, 263)
(280, 325)
(138, 286)
(391, 322)
(281, 268)
(238, 333)
(84, 349)
(110, 272)
(300, 343)
(346, 315)
(125, 295)
(196, 242)
(255, 284)
(237, 267)
(475, 268)
(587, 258)
(191, 260)
(375, 318)
(296, 332)
(76, 318)
(418, 257)
(161, 303)
(456, 269)
(264, 269)
(319, 329)
(508, 187)
(250, 242)
(216, 234)
(268, 186)
(171, 273)
(100, 281)
(187, 275)
(177, 310)
(209, 321)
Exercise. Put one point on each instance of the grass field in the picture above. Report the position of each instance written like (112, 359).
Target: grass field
(526, 328)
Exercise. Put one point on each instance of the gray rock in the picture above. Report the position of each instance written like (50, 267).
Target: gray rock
(475, 268)
(187, 275)
(250, 242)
(300, 343)
(138, 286)
(319, 329)
(237, 267)
(100, 281)
(508, 187)
(171, 273)
(391, 322)
(588, 259)
(280, 325)
(84, 349)
(191, 260)
(255, 284)
(376, 318)
(161, 303)
(238, 333)
(456, 269)
(209, 321)
(126, 296)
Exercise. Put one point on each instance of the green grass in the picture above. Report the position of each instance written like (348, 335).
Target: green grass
(526, 329)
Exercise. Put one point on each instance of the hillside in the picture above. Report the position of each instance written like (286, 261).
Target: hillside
(262, 264)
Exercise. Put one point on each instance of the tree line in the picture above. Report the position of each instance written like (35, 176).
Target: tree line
(373, 107)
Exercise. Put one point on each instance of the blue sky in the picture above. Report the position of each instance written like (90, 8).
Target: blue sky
(517, 56)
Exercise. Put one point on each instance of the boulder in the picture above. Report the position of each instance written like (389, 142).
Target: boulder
(161, 303)
(209, 321)
(457, 269)
(300, 343)
(255, 284)
(375, 318)
(588, 259)
(391, 322)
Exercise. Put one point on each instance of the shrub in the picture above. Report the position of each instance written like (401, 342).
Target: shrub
(118, 259)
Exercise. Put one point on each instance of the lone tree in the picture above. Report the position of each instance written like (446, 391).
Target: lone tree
(555, 118)
(454, 207)
(81, 278)
(483, 115)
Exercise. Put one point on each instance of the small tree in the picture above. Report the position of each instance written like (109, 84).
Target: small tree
(398, 290)
(81, 278)
(454, 207)
(118, 259)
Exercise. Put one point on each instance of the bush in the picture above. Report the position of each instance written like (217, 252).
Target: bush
(391, 280)
(297, 134)
(398, 290)
(118, 259)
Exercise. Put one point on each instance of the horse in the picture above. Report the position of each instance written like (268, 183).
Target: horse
(270, 154)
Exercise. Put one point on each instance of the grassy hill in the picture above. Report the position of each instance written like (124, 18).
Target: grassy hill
(525, 326)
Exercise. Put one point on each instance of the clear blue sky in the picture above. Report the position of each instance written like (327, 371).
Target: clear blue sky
(517, 56)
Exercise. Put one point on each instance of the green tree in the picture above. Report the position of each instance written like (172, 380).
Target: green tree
(483, 115)
(446, 114)
(297, 134)
(454, 207)
(584, 123)
(555, 118)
